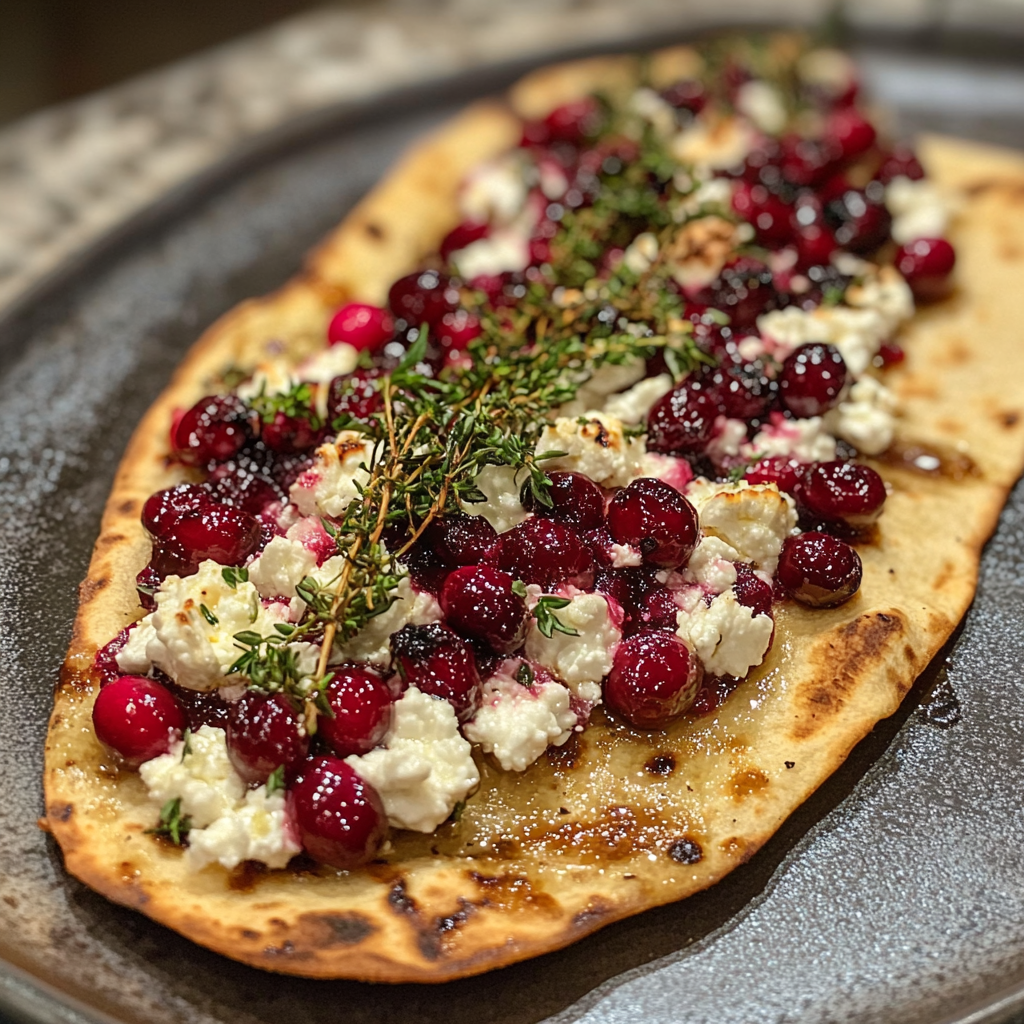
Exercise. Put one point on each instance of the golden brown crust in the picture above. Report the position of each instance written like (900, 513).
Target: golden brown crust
(663, 815)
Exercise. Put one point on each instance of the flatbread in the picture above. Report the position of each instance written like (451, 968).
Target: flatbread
(619, 820)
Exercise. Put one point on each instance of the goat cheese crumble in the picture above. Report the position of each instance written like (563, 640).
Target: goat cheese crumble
(595, 447)
(728, 637)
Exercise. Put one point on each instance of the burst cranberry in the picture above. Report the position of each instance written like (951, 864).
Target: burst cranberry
(850, 133)
(362, 705)
(764, 211)
(819, 570)
(575, 499)
(164, 508)
(846, 493)
(106, 657)
(263, 733)
(138, 718)
(682, 422)
(461, 540)
(340, 816)
(927, 263)
(462, 235)
(227, 535)
(811, 379)
(781, 470)
(202, 707)
(618, 585)
(744, 391)
(423, 297)
(743, 290)
(168, 558)
(657, 519)
(751, 591)
(902, 162)
(360, 325)
(547, 553)
(436, 661)
(687, 94)
(356, 395)
(479, 602)
(575, 121)
(213, 430)
(859, 219)
(654, 679)
(456, 330)
(290, 434)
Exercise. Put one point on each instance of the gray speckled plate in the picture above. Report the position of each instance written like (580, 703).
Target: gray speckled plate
(895, 894)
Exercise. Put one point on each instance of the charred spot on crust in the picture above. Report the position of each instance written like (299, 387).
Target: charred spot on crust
(747, 782)
(374, 230)
(686, 851)
(127, 507)
(1009, 419)
(244, 877)
(661, 764)
(347, 929)
(248, 933)
(90, 588)
(287, 949)
(593, 912)
(400, 901)
(567, 755)
(510, 892)
(61, 812)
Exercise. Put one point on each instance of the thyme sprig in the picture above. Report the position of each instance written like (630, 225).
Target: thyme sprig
(173, 825)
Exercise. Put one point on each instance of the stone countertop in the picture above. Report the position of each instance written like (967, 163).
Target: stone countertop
(71, 173)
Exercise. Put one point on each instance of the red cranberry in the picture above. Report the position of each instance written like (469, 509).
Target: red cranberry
(547, 553)
(811, 379)
(902, 162)
(806, 162)
(860, 220)
(436, 661)
(657, 519)
(239, 484)
(575, 122)
(744, 391)
(751, 591)
(462, 235)
(290, 434)
(687, 94)
(659, 610)
(356, 395)
(927, 263)
(682, 422)
(423, 297)
(340, 816)
(170, 558)
(819, 570)
(227, 535)
(479, 602)
(362, 703)
(654, 679)
(213, 430)
(456, 330)
(890, 353)
(202, 707)
(765, 212)
(846, 493)
(743, 290)
(164, 508)
(814, 240)
(360, 325)
(461, 540)
(782, 470)
(138, 718)
(106, 657)
(850, 132)
(575, 499)
(263, 733)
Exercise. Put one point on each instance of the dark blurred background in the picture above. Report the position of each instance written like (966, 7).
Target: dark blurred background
(53, 50)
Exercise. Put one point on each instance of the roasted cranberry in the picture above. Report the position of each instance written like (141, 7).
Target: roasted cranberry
(849, 132)
(654, 679)
(575, 499)
(356, 395)
(765, 212)
(682, 422)
(169, 558)
(902, 162)
(423, 297)
(464, 234)
(657, 519)
(927, 263)
(479, 602)
(264, 733)
(618, 584)
(164, 508)
(547, 553)
(686, 94)
(813, 237)
(340, 816)
(819, 570)
(575, 121)
(360, 325)
(751, 591)
(744, 391)
(659, 610)
(461, 540)
(456, 330)
(811, 379)
(202, 707)
(781, 470)
(290, 434)
(436, 661)
(239, 484)
(890, 353)
(362, 706)
(806, 162)
(426, 570)
(213, 430)
(847, 493)
(859, 219)
(227, 535)
(743, 290)
(106, 657)
(138, 718)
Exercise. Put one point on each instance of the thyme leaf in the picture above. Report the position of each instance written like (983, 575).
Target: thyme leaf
(549, 623)
(173, 825)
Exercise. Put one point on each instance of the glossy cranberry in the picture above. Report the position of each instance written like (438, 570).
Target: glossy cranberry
(165, 507)
(168, 558)
(847, 493)
(825, 283)
(426, 571)
(659, 610)
(713, 693)
(213, 430)
(437, 661)
(138, 718)
(290, 434)
(240, 485)
(462, 235)
(227, 535)
(263, 733)
(764, 211)
(655, 518)
(540, 251)
(686, 94)
(654, 679)
(751, 591)
(743, 291)
(890, 353)
(806, 162)
(423, 297)
(812, 236)
(456, 330)
(782, 470)
(575, 122)
(479, 603)
(461, 540)
(202, 707)
(859, 219)
(927, 263)
(547, 553)
(819, 570)
(849, 132)
(362, 704)
(682, 422)
(106, 657)
(340, 816)
(575, 499)
(901, 162)
(618, 584)
(811, 379)
(357, 395)
(360, 325)
(743, 391)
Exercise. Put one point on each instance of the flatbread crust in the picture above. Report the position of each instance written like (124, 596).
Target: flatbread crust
(600, 831)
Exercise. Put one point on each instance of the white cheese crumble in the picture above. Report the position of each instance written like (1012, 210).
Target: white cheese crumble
(866, 418)
(596, 448)
(806, 440)
(652, 108)
(580, 661)
(919, 209)
(762, 103)
(425, 766)
(632, 406)
(712, 564)
(334, 479)
(502, 509)
(505, 249)
(280, 567)
(334, 361)
(271, 377)
(716, 145)
(625, 556)
(516, 723)
(495, 190)
(728, 637)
